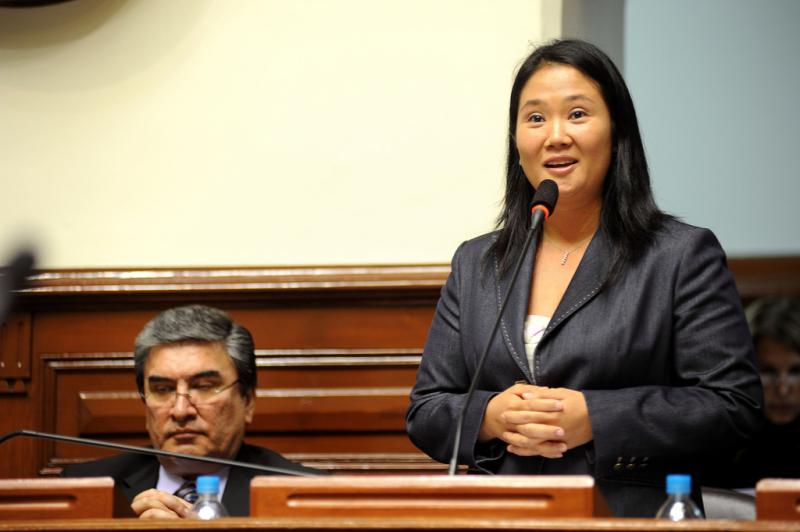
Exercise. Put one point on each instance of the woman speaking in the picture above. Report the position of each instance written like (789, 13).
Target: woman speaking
(623, 352)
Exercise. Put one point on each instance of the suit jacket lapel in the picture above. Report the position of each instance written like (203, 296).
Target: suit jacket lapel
(142, 478)
(236, 498)
(237, 492)
(513, 320)
(586, 283)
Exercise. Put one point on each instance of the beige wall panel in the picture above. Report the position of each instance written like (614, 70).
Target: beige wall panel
(255, 132)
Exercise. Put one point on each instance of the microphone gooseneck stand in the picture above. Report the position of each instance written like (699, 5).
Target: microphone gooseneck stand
(148, 451)
(543, 205)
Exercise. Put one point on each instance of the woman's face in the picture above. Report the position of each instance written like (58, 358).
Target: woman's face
(780, 375)
(563, 133)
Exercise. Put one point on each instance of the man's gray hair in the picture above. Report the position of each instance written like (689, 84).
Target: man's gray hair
(202, 324)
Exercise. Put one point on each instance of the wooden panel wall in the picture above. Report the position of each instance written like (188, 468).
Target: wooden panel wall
(337, 348)
(337, 353)
(321, 406)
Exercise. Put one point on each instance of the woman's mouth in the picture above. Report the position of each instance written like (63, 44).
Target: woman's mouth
(559, 162)
(560, 165)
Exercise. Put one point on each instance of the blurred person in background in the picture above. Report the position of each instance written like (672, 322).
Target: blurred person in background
(775, 326)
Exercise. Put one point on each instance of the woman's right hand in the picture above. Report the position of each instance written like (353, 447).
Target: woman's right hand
(537, 437)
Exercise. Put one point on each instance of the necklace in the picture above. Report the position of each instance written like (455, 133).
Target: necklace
(567, 252)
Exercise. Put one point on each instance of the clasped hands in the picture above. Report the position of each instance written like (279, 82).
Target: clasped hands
(537, 421)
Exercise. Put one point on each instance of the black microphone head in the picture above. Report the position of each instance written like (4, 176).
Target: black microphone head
(12, 277)
(18, 269)
(546, 196)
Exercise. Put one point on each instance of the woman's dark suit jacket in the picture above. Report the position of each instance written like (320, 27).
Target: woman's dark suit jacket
(663, 357)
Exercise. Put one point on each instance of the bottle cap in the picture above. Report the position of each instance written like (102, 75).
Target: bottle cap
(208, 484)
(679, 484)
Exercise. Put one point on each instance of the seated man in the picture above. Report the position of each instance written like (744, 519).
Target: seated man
(775, 325)
(196, 372)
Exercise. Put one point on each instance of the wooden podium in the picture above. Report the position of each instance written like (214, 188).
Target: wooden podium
(61, 498)
(398, 497)
(778, 499)
(376, 504)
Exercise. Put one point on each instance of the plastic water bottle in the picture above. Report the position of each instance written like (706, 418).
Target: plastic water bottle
(208, 506)
(679, 505)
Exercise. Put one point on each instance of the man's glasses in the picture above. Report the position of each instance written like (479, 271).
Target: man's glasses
(773, 377)
(161, 395)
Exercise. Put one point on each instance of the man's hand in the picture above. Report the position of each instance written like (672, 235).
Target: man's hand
(154, 504)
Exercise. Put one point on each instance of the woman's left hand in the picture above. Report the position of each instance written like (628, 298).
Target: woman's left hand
(573, 418)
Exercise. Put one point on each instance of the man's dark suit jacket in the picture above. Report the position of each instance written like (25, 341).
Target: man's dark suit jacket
(136, 473)
(663, 356)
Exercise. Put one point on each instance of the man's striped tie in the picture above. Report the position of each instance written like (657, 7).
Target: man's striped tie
(187, 491)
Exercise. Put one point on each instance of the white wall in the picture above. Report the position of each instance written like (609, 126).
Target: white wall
(716, 85)
(256, 132)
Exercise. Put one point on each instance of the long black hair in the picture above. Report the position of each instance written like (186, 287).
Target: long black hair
(629, 213)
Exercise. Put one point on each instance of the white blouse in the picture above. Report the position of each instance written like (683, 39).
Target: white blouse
(533, 332)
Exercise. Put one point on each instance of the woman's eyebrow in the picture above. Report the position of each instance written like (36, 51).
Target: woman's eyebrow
(571, 98)
(535, 101)
(577, 97)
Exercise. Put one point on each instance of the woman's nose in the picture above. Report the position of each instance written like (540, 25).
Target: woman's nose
(557, 135)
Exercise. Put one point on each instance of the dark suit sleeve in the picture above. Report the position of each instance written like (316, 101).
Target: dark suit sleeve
(442, 382)
(133, 473)
(712, 400)
(114, 466)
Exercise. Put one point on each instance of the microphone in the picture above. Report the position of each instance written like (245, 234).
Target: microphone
(12, 278)
(542, 206)
(153, 452)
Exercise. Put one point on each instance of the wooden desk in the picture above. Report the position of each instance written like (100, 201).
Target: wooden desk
(251, 524)
(432, 498)
(449, 518)
(61, 498)
(778, 498)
